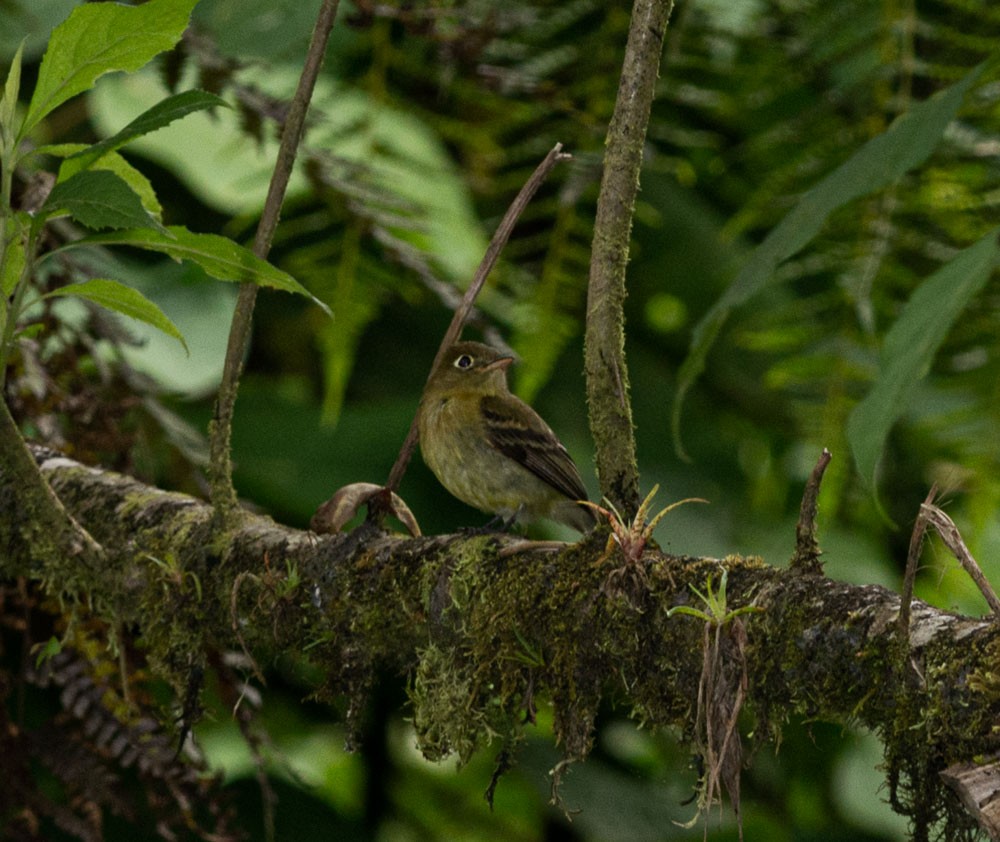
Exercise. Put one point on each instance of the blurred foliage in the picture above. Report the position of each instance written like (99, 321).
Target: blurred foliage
(428, 119)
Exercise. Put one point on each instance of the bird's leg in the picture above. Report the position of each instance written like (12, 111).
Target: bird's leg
(508, 524)
(493, 525)
(497, 523)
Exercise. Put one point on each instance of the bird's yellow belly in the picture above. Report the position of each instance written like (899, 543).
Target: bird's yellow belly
(475, 472)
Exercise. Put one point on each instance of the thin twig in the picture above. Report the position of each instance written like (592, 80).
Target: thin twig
(221, 466)
(489, 260)
(912, 558)
(931, 515)
(952, 538)
(610, 409)
(807, 551)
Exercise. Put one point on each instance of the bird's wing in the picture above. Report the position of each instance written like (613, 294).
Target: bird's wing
(517, 431)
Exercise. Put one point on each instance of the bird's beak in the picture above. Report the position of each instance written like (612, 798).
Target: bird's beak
(502, 364)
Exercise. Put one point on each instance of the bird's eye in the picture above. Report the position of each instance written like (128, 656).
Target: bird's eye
(463, 361)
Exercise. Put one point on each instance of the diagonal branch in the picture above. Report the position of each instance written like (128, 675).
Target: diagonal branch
(221, 465)
(451, 335)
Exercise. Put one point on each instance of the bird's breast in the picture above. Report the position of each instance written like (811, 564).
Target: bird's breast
(455, 448)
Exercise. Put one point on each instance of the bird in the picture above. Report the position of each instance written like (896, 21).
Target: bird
(490, 449)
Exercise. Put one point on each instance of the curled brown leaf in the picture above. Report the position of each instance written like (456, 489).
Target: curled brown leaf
(337, 512)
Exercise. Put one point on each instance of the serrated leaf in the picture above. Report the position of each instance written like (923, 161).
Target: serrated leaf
(113, 162)
(14, 257)
(100, 38)
(910, 346)
(12, 268)
(162, 114)
(58, 150)
(219, 256)
(122, 299)
(907, 143)
(99, 199)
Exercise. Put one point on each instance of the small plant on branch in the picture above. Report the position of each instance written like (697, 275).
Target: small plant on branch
(722, 690)
(633, 535)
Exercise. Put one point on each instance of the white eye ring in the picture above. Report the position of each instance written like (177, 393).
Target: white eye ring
(463, 361)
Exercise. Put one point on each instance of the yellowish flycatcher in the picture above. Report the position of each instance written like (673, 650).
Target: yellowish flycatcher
(489, 448)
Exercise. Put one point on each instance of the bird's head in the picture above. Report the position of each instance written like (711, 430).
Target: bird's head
(471, 367)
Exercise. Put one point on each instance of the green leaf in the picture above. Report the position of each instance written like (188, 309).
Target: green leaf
(50, 649)
(99, 199)
(907, 143)
(122, 299)
(162, 114)
(197, 304)
(16, 249)
(12, 268)
(219, 256)
(8, 103)
(113, 162)
(910, 346)
(58, 150)
(100, 38)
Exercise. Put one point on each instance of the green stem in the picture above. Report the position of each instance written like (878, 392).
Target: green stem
(10, 324)
(6, 188)
(14, 309)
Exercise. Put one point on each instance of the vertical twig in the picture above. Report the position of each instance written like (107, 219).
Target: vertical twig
(221, 466)
(912, 558)
(610, 409)
(805, 559)
(489, 260)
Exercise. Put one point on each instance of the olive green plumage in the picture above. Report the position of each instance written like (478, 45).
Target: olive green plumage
(489, 448)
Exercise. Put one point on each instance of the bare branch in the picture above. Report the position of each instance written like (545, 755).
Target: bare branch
(978, 785)
(807, 552)
(931, 515)
(912, 559)
(952, 538)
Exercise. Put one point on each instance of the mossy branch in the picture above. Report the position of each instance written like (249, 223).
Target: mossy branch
(31, 517)
(463, 622)
(610, 408)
